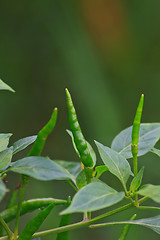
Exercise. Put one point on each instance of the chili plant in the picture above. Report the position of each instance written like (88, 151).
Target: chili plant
(91, 193)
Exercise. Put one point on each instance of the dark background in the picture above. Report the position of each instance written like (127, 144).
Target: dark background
(106, 52)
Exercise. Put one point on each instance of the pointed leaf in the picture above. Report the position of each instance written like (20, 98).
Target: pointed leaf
(74, 145)
(4, 86)
(100, 170)
(148, 136)
(35, 223)
(3, 189)
(23, 143)
(73, 168)
(115, 162)
(151, 191)
(4, 140)
(81, 179)
(94, 196)
(5, 158)
(41, 168)
(136, 182)
(90, 149)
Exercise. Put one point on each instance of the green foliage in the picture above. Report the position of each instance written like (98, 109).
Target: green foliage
(91, 193)
(4, 140)
(115, 162)
(151, 191)
(41, 168)
(136, 182)
(94, 196)
(5, 157)
(4, 86)
(99, 170)
(23, 143)
(149, 134)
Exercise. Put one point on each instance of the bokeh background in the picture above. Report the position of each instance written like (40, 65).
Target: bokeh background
(107, 52)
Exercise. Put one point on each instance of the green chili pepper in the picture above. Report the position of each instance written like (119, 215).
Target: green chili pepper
(35, 223)
(43, 134)
(126, 229)
(65, 220)
(28, 206)
(136, 126)
(79, 139)
(135, 133)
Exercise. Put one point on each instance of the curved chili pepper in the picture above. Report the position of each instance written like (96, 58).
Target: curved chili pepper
(29, 206)
(35, 223)
(79, 139)
(43, 134)
(136, 123)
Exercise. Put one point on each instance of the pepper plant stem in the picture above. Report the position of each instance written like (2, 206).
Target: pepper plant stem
(87, 223)
(83, 223)
(9, 232)
(21, 195)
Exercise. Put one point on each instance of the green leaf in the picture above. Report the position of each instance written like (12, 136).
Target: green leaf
(41, 168)
(151, 191)
(23, 143)
(4, 140)
(5, 158)
(136, 182)
(115, 162)
(35, 223)
(4, 86)
(90, 149)
(100, 169)
(148, 136)
(3, 189)
(74, 145)
(94, 196)
(73, 168)
(81, 179)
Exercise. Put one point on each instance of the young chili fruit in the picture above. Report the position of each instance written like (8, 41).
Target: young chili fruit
(43, 134)
(28, 206)
(79, 139)
(136, 126)
(35, 223)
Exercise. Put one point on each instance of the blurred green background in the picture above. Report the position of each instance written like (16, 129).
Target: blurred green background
(107, 52)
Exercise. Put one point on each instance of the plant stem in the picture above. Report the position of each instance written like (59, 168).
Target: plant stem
(149, 208)
(4, 224)
(135, 164)
(82, 224)
(24, 180)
